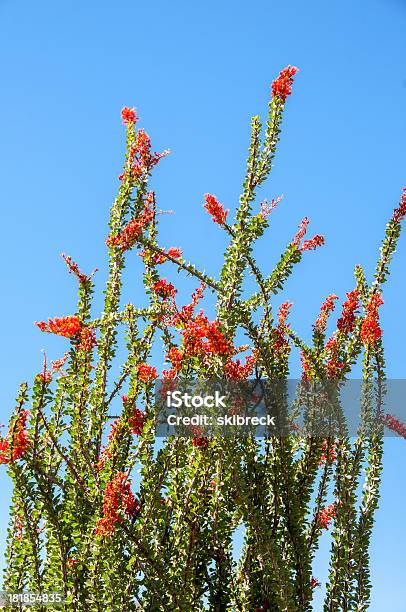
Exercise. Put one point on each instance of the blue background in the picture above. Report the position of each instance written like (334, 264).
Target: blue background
(196, 73)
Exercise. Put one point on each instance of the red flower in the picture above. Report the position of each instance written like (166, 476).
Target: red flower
(400, 212)
(65, 326)
(328, 454)
(147, 373)
(198, 440)
(316, 241)
(141, 158)
(136, 421)
(326, 515)
(371, 330)
(16, 442)
(282, 85)
(283, 312)
(128, 115)
(175, 356)
(164, 289)
(169, 374)
(215, 209)
(175, 252)
(235, 370)
(280, 331)
(301, 232)
(118, 500)
(202, 338)
(326, 308)
(133, 230)
(395, 425)
(186, 313)
(74, 268)
(346, 322)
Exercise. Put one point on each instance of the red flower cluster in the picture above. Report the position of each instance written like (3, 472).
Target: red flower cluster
(186, 312)
(136, 421)
(128, 115)
(235, 370)
(215, 209)
(160, 258)
(301, 232)
(164, 289)
(147, 373)
(395, 425)
(68, 327)
(175, 356)
(326, 309)
(118, 500)
(71, 562)
(328, 454)
(400, 212)
(283, 312)
(198, 439)
(281, 341)
(333, 366)
(326, 516)
(133, 230)
(282, 85)
(202, 338)
(313, 243)
(346, 322)
(370, 329)
(141, 159)
(16, 442)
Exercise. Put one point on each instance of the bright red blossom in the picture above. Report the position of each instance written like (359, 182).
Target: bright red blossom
(282, 85)
(74, 269)
(313, 243)
(141, 159)
(175, 252)
(164, 289)
(326, 308)
(400, 212)
(328, 453)
(133, 230)
(346, 322)
(215, 209)
(67, 327)
(128, 115)
(370, 329)
(281, 341)
(301, 233)
(326, 515)
(147, 373)
(235, 370)
(16, 442)
(175, 356)
(118, 501)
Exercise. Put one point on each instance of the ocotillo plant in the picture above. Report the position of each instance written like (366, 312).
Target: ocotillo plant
(113, 519)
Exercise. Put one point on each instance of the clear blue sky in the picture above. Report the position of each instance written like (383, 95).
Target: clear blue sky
(197, 71)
